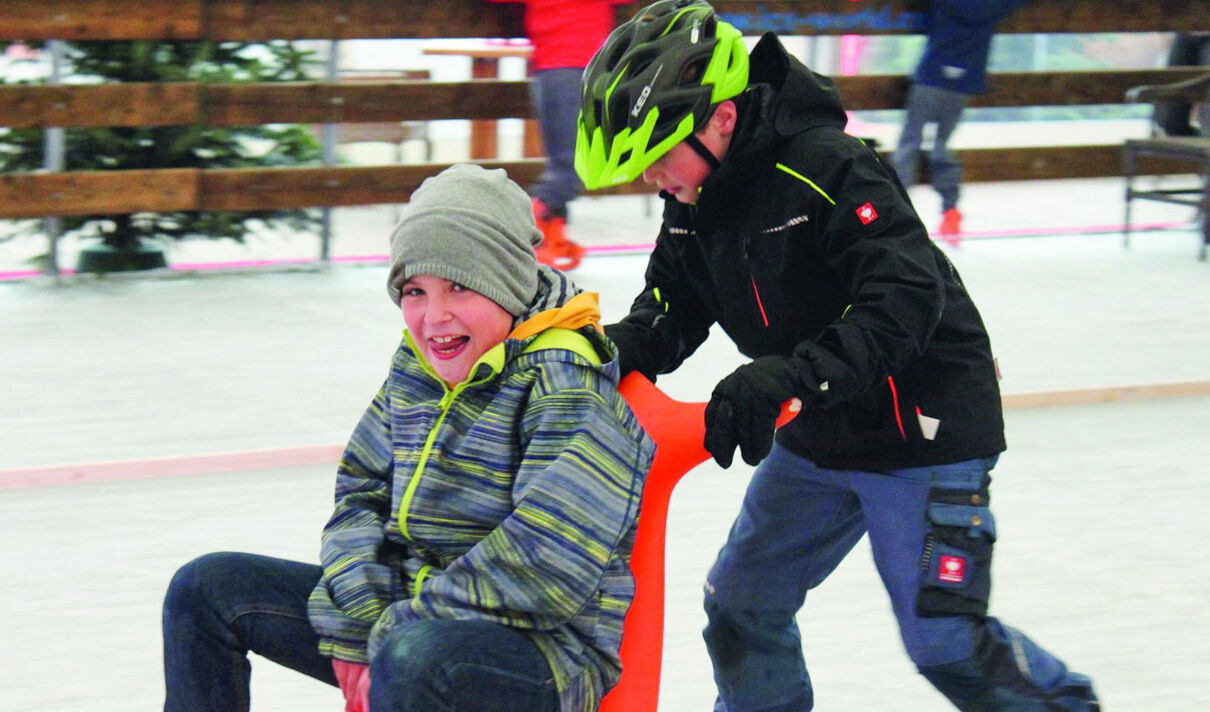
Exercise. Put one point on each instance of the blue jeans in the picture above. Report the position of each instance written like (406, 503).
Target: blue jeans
(556, 94)
(931, 533)
(944, 108)
(221, 606)
(461, 666)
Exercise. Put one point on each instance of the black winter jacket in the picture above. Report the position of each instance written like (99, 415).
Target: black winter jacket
(803, 244)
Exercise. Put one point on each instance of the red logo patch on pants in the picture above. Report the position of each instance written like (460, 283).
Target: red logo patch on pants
(952, 569)
(866, 214)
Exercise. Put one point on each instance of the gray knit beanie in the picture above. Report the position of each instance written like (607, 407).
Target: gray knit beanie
(472, 226)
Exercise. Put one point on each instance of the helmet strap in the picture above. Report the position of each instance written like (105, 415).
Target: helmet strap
(700, 148)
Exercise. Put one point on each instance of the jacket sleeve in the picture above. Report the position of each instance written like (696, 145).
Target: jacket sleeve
(667, 321)
(890, 270)
(576, 498)
(355, 588)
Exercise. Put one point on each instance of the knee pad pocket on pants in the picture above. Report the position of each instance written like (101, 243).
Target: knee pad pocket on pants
(957, 554)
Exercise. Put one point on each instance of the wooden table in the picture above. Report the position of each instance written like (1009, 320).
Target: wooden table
(485, 60)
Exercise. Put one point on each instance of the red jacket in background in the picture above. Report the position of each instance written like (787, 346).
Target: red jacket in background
(566, 33)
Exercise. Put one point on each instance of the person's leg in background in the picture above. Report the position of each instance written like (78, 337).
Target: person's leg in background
(1203, 59)
(946, 109)
(906, 156)
(931, 532)
(1174, 118)
(218, 608)
(556, 95)
(796, 524)
(459, 666)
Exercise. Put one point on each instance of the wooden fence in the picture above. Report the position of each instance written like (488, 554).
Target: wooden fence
(157, 104)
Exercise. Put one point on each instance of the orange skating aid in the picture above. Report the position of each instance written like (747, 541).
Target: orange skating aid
(679, 430)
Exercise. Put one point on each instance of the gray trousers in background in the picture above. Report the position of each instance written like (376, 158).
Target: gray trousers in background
(925, 105)
(556, 95)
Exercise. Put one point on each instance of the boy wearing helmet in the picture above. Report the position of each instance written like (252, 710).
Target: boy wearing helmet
(802, 245)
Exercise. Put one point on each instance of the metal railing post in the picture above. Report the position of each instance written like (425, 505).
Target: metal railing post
(329, 138)
(54, 160)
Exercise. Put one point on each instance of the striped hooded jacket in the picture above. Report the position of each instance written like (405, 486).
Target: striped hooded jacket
(512, 497)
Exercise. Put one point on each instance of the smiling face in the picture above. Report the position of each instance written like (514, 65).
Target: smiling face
(452, 325)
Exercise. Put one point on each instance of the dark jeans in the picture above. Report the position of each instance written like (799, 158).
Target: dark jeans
(219, 607)
(461, 666)
(556, 95)
(1175, 119)
(798, 522)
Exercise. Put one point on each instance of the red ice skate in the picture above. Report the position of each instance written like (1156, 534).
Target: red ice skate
(556, 249)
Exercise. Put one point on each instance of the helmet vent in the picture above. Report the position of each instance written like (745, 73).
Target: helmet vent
(691, 75)
(611, 62)
(618, 108)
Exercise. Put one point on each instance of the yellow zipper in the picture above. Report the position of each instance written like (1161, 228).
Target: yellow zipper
(444, 405)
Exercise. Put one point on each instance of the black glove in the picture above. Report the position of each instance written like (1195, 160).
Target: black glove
(744, 407)
(629, 339)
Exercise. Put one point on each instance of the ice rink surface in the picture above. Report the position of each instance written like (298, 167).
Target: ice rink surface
(1100, 507)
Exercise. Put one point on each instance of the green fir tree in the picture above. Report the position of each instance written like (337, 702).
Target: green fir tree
(190, 146)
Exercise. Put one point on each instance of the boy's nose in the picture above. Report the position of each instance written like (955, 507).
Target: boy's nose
(437, 311)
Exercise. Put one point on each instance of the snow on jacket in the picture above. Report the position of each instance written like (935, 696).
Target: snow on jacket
(959, 39)
(803, 244)
(512, 497)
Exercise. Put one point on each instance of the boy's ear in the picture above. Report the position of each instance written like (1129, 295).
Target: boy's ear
(724, 117)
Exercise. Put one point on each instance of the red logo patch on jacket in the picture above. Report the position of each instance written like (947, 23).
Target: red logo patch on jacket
(866, 214)
(952, 569)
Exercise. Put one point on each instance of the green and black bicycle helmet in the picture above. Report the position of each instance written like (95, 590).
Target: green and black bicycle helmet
(653, 84)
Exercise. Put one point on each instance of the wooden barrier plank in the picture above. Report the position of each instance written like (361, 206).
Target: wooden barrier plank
(258, 20)
(1039, 163)
(243, 189)
(981, 165)
(321, 102)
(281, 188)
(32, 195)
(1017, 89)
(251, 20)
(150, 104)
(1049, 16)
(877, 17)
(134, 104)
(1107, 86)
(100, 19)
(154, 104)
